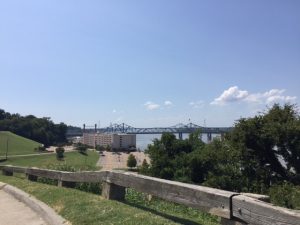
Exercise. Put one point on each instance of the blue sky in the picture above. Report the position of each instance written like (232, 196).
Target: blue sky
(148, 63)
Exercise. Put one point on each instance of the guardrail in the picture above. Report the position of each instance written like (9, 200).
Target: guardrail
(232, 207)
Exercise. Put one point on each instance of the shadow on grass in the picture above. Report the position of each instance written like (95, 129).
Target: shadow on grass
(170, 217)
(3, 160)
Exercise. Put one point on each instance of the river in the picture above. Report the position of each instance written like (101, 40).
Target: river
(143, 140)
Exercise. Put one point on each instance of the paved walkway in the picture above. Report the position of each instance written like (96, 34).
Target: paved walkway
(14, 212)
(115, 160)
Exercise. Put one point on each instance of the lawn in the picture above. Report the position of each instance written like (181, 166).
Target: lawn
(82, 208)
(74, 159)
(17, 145)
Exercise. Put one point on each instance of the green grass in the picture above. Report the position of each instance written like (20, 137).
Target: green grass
(82, 208)
(17, 145)
(74, 159)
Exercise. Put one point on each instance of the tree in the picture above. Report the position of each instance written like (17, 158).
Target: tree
(144, 168)
(60, 153)
(131, 161)
(270, 146)
(81, 148)
(42, 130)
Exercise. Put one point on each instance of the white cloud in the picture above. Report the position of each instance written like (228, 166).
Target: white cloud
(114, 111)
(197, 104)
(234, 94)
(168, 103)
(151, 105)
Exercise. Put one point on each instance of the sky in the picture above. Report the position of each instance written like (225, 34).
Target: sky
(148, 63)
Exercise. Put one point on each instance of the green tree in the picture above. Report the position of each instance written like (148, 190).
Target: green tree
(42, 130)
(81, 148)
(270, 146)
(60, 153)
(131, 161)
(144, 168)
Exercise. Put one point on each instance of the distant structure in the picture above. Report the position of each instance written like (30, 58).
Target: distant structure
(124, 129)
(114, 141)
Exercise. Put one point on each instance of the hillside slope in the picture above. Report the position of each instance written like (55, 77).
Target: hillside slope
(17, 145)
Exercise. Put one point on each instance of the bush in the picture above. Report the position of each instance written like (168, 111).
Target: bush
(100, 148)
(81, 148)
(60, 153)
(131, 161)
(285, 195)
(40, 148)
(144, 168)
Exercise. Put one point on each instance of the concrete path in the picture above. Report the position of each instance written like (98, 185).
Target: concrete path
(20, 208)
(115, 160)
(14, 212)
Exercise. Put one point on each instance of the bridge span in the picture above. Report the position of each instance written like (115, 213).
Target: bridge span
(177, 129)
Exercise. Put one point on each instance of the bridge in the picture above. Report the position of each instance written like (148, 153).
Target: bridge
(177, 129)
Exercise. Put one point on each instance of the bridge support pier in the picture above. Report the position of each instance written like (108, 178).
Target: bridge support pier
(112, 191)
(180, 136)
(209, 137)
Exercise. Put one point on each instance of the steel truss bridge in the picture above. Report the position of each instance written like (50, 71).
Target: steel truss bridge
(177, 129)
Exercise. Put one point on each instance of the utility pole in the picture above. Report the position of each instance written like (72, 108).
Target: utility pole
(6, 149)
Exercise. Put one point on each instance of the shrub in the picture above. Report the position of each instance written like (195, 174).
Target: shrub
(81, 148)
(131, 161)
(144, 168)
(285, 195)
(100, 148)
(60, 153)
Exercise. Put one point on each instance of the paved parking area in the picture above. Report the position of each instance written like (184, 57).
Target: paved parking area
(114, 160)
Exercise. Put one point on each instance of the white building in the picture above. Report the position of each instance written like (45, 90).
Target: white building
(115, 141)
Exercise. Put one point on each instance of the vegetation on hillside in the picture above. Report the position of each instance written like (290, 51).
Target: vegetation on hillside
(260, 152)
(42, 130)
(16, 145)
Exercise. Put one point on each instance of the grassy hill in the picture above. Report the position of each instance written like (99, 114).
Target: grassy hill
(74, 159)
(17, 145)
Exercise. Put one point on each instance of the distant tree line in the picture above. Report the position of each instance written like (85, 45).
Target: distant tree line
(42, 130)
(260, 153)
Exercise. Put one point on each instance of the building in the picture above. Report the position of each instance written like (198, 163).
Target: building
(115, 141)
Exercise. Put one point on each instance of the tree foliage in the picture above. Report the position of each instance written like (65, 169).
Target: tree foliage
(60, 153)
(270, 145)
(259, 152)
(131, 161)
(42, 130)
(82, 148)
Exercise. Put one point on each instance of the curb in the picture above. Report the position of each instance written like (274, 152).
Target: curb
(43, 210)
